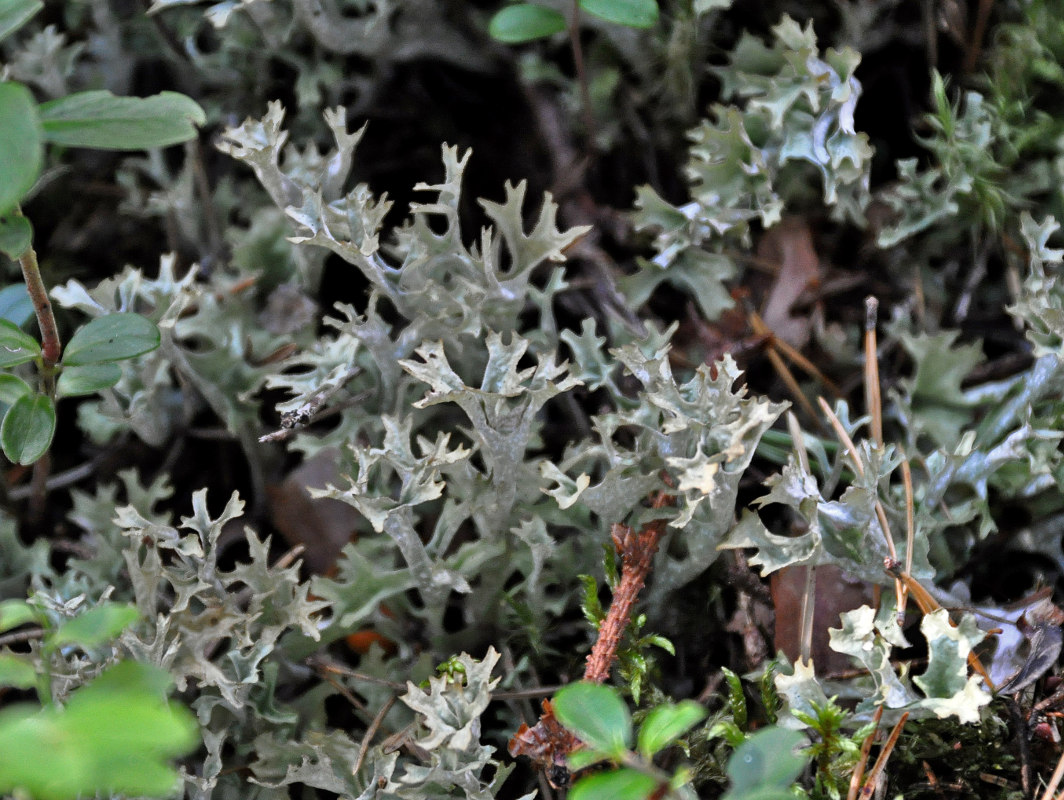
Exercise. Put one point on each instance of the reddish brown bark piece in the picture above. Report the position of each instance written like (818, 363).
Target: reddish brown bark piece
(547, 743)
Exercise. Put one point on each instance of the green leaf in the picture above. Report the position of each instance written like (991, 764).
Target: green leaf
(12, 388)
(15, 304)
(597, 715)
(16, 236)
(765, 761)
(622, 784)
(736, 697)
(16, 346)
(111, 338)
(630, 13)
(16, 673)
(16, 13)
(20, 142)
(96, 626)
(103, 121)
(16, 612)
(28, 427)
(87, 379)
(115, 736)
(666, 723)
(584, 757)
(525, 22)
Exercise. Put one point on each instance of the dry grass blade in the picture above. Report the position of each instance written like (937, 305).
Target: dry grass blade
(873, 400)
(866, 748)
(881, 762)
(910, 529)
(881, 514)
(784, 372)
(1054, 781)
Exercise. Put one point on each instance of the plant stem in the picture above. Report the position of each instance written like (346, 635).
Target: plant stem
(581, 77)
(50, 353)
(42, 307)
(637, 552)
(548, 743)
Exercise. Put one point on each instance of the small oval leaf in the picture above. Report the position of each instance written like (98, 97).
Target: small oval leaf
(20, 142)
(16, 235)
(111, 338)
(630, 13)
(103, 121)
(665, 724)
(597, 715)
(16, 13)
(96, 626)
(15, 304)
(16, 612)
(12, 388)
(87, 379)
(28, 428)
(621, 784)
(16, 346)
(765, 761)
(524, 23)
(16, 673)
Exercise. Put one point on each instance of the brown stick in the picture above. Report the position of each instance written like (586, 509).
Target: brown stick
(548, 743)
(42, 307)
(637, 552)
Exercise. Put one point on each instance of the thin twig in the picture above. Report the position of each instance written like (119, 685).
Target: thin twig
(758, 326)
(866, 748)
(1054, 780)
(809, 592)
(42, 307)
(371, 731)
(21, 636)
(637, 552)
(881, 514)
(873, 400)
(910, 530)
(328, 666)
(847, 442)
(581, 77)
(881, 762)
(975, 46)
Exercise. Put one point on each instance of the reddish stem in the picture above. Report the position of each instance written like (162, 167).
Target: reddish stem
(31, 273)
(547, 743)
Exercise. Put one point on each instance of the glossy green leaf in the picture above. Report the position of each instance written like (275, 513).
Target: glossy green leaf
(111, 338)
(621, 784)
(584, 757)
(103, 121)
(28, 428)
(16, 235)
(597, 715)
(16, 673)
(12, 388)
(16, 13)
(87, 379)
(20, 143)
(664, 724)
(524, 23)
(15, 304)
(115, 736)
(630, 13)
(16, 612)
(16, 346)
(96, 626)
(765, 761)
